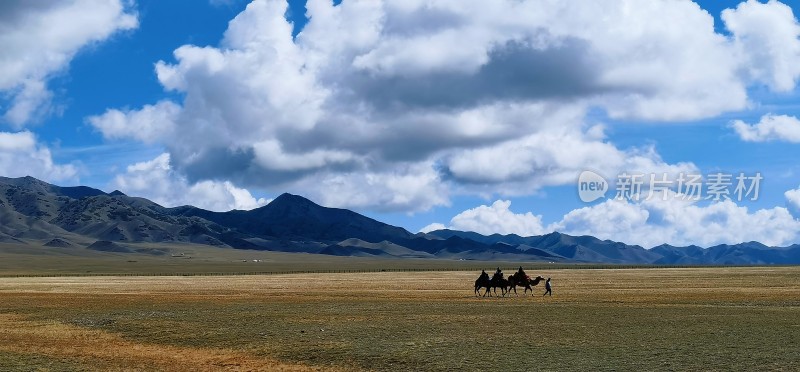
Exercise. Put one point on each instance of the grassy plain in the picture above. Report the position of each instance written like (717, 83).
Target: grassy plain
(194, 259)
(623, 319)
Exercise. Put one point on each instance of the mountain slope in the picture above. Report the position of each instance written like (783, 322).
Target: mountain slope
(751, 253)
(32, 209)
(35, 185)
(357, 247)
(573, 248)
(35, 212)
(291, 217)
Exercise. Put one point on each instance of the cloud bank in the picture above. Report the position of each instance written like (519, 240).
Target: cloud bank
(647, 223)
(383, 105)
(655, 221)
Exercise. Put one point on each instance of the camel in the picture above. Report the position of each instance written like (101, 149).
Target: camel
(518, 279)
(483, 281)
(497, 281)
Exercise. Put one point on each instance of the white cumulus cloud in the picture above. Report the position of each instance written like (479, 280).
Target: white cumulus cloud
(402, 187)
(156, 181)
(769, 128)
(21, 155)
(767, 36)
(793, 201)
(433, 227)
(147, 124)
(40, 38)
(491, 219)
(652, 222)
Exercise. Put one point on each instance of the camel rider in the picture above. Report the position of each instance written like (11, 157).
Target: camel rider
(498, 273)
(484, 274)
(521, 274)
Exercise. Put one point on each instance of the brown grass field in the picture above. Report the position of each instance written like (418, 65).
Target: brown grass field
(621, 319)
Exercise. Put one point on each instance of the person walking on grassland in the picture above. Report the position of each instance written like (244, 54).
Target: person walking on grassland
(548, 288)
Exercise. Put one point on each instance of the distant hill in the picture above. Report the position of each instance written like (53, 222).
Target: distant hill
(591, 249)
(35, 212)
(752, 253)
(564, 247)
(357, 247)
(33, 184)
(32, 209)
(293, 217)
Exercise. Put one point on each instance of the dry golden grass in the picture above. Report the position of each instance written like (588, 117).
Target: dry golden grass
(678, 319)
(105, 350)
(630, 286)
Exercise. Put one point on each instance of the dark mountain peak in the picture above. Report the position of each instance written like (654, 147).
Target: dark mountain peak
(554, 236)
(37, 185)
(290, 217)
(287, 197)
(501, 236)
(289, 206)
(667, 249)
(30, 180)
(287, 200)
(294, 215)
(755, 244)
(441, 233)
(117, 193)
(77, 192)
(26, 182)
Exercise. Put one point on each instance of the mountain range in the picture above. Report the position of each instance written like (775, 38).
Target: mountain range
(37, 213)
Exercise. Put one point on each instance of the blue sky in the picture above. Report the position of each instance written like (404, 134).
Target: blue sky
(422, 146)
